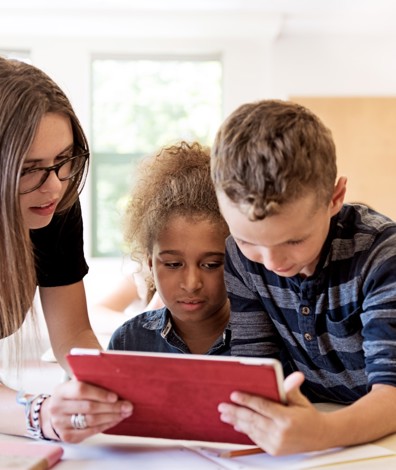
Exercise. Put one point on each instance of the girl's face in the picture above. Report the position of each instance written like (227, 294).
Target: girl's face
(188, 268)
(52, 144)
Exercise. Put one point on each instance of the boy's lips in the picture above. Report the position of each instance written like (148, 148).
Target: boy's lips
(283, 270)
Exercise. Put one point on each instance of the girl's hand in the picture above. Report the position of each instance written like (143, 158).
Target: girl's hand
(101, 409)
(278, 429)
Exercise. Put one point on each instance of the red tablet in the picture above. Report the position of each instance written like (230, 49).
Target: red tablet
(176, 396)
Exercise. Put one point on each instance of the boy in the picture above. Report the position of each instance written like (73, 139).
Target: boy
(310, 279)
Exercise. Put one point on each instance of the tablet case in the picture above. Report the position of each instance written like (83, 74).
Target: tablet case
(176, 396)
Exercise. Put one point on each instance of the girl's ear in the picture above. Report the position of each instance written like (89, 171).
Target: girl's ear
(338, 197)
(150, 262)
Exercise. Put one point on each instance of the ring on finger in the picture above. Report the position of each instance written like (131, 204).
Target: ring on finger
(78, 421)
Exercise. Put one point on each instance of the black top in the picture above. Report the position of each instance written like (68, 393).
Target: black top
(59, 249)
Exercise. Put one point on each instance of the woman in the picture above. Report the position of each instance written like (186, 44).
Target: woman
(43, 162)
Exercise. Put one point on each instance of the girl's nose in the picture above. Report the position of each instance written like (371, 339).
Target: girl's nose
(191, 281)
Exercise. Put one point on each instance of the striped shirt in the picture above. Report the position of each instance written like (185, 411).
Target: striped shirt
(337, 326)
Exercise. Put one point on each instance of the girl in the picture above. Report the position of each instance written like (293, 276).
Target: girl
(174, 224)
(43, 162)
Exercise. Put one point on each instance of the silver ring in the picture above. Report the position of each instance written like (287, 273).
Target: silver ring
(78, 421)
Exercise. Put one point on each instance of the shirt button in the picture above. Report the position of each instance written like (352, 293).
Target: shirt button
(307, 337)
(305, 310)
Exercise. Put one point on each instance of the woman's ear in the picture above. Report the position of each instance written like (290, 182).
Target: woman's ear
(337, 200)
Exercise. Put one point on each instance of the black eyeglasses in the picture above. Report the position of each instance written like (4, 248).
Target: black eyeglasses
(33, 178)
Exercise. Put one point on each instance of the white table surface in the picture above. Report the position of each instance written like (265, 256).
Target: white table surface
(108, 452)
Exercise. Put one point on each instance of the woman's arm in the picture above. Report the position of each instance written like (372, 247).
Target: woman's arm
(66, 315)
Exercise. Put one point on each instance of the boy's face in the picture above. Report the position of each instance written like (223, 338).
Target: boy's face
(288, 243)
(188, 269)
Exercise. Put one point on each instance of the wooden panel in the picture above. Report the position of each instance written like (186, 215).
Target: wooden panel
(364, 130)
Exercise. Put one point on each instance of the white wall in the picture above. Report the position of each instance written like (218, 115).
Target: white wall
(334, 65)
(259, 62)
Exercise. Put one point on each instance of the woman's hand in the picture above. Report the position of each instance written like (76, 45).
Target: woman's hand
(101, 409)
(278, 429)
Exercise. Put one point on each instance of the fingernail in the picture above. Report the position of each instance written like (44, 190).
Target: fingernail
(224, 418)
(112, 397)
(126, 409)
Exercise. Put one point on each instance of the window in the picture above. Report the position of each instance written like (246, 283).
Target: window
(138, 106)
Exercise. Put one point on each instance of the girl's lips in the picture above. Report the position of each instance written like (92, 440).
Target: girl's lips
(190, 301)
(190, 305)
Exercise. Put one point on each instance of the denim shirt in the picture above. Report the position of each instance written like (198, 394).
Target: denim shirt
(153, 332)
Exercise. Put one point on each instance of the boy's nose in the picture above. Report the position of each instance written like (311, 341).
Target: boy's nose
(272, 259)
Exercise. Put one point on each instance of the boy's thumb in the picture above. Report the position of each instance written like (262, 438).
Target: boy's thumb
(292, 386)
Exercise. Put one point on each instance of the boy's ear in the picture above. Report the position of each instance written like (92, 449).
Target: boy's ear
(338, 197)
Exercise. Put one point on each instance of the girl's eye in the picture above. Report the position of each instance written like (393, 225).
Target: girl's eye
(172, 265)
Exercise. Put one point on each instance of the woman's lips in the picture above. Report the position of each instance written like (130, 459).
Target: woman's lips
(44, 209)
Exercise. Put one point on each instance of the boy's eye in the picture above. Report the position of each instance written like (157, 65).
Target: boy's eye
(212, 265)
(295, 242)
(242, 242)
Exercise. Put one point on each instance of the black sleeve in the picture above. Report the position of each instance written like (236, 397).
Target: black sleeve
(59, 249)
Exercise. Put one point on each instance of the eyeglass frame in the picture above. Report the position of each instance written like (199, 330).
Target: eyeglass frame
(54, 168)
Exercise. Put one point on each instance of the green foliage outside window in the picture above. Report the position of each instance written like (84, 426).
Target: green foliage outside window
(138, 106)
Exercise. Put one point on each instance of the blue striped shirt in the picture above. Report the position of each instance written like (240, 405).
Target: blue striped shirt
(337, 326)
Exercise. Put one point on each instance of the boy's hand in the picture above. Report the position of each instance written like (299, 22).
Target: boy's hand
(278, 429)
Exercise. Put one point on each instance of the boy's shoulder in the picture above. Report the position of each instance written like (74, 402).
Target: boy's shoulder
(362, 218)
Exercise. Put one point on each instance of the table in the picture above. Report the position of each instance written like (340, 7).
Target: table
(108, 452)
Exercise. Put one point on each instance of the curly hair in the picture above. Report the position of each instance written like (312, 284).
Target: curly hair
(271, 152)
(176, 181)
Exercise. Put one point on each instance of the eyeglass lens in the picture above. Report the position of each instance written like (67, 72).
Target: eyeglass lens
(31, 180)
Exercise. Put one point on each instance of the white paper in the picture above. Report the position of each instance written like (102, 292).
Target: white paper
(296, 461)
(127, 457)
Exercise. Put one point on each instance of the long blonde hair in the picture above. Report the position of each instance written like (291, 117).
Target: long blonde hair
(26, 95)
